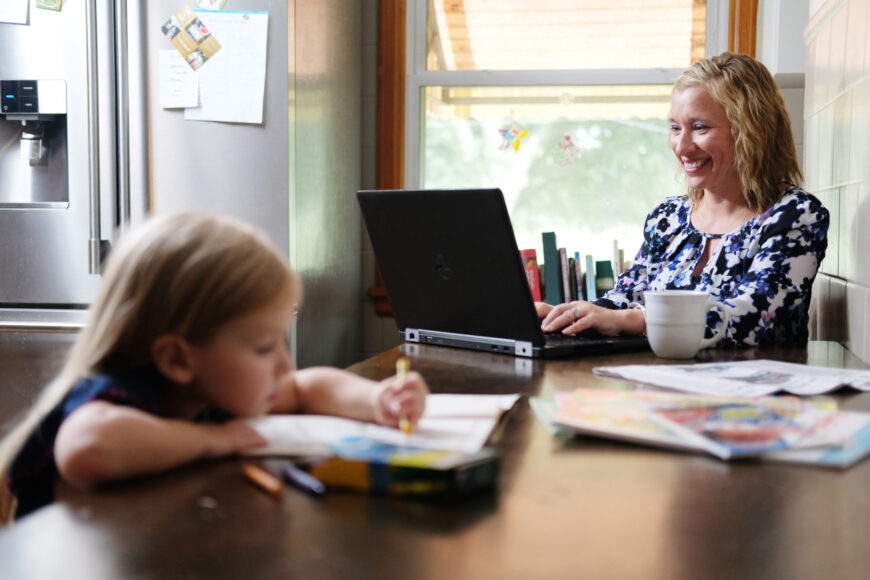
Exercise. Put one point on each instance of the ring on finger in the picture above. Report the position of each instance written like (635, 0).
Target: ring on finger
(576, 313)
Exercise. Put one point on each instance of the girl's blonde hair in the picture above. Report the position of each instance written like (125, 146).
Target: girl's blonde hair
(764, 151)
(184, 274)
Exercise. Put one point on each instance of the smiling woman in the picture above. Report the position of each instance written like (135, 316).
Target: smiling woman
(745, 232)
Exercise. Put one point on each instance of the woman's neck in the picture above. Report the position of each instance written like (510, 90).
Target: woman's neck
(721, 214)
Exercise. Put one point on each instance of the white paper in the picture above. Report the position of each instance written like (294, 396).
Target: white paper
(451, 423)
(751, 378)
(232, 83)
(13, 11)
(178, 82)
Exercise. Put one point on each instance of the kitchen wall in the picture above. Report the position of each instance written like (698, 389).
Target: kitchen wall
(379, 333)
(837, 165)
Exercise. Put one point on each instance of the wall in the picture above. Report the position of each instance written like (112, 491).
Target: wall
(837, 164)
(325, 105)
(379, 332)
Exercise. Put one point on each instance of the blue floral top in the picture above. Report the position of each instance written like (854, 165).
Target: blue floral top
(763, 272)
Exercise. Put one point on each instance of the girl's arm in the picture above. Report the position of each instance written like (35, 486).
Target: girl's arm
(101, 442)
(330, 391)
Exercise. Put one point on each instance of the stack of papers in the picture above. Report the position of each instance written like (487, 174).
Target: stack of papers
(770, 428)
(460, 423)
(750, 378)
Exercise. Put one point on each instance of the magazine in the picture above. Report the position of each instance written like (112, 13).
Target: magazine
(751, 378)
(743, 429)
(626, 415)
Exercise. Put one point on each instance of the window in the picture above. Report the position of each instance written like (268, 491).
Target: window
(560, 103)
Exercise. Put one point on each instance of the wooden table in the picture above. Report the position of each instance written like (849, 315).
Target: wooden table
(565, 508)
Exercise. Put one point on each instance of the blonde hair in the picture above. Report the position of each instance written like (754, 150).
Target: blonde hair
(185, 274)
(764, 151)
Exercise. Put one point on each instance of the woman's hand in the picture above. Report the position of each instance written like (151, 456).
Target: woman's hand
(399, 398)
(574, 317)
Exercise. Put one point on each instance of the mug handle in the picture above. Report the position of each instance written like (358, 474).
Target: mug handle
(719, 334)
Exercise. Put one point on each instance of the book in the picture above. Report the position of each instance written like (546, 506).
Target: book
(566, 275)
(740, 429)
(530, 263)
(591, 293)
(603, 277)
(572, 280)
(578, 275)
(365, 465)
(451, 422)
(553, 277)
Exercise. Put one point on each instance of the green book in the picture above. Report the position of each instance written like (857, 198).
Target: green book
(553, 286)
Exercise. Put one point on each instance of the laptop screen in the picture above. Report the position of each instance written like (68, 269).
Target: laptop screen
(450, 262)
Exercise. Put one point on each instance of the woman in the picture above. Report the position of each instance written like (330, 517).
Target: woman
(745, 232)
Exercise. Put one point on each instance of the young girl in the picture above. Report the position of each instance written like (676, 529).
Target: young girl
(187, 336)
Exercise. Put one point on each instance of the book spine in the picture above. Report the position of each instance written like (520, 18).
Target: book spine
(590, 278)
(578, 275)
(553, 278)
(530, 263)
(566, 275)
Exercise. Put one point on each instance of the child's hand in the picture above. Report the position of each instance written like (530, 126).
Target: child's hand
(397, 397)
(234, 437)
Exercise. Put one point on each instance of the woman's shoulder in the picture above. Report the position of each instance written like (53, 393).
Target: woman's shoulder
(797, 207)
(671, 213)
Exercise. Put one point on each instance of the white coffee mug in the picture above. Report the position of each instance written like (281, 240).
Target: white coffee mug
(676, 321)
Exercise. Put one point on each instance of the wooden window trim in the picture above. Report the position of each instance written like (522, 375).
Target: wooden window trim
(742, 25)
(390, 172)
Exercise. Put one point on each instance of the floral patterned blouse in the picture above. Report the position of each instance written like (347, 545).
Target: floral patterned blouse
(763, 272)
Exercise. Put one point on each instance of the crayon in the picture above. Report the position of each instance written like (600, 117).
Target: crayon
(403, 365)
(303, 480)
(263, 479)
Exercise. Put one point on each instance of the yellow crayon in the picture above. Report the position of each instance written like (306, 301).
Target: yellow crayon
(403, 365)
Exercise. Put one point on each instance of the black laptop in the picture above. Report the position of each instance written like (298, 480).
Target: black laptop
(454, 275)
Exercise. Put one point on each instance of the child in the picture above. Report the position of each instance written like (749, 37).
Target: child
(187, 336)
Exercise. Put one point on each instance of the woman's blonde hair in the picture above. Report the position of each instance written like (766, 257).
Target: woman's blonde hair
(764, 151)
(185, 274)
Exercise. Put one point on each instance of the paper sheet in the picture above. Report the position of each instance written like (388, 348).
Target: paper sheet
(13, 11)
(233, 82)
(752, 378)
(451, 423)
(178, 83)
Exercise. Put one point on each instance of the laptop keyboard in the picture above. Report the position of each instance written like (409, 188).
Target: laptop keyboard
(557, 338)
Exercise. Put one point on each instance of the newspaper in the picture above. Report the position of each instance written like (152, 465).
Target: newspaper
(751, 378)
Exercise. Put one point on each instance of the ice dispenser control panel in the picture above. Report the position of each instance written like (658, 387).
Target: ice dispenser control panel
(42, 97)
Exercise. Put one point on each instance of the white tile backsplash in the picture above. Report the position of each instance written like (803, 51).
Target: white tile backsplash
(837, 166)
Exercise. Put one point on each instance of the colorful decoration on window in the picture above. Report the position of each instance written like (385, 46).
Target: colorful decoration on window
(565, 152)
(511, 135)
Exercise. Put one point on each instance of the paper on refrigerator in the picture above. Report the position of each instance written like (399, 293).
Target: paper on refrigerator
(232, 86)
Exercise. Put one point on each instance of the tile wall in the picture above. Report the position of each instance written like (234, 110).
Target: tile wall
(837, 165)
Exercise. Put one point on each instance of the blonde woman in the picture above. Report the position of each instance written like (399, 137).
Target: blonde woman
(187, 336)
(746, 232)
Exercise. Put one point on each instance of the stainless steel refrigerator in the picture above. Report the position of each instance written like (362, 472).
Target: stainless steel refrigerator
(86, 149)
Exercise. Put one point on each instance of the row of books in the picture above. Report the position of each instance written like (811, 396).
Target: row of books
(786, 429)
(562, 277)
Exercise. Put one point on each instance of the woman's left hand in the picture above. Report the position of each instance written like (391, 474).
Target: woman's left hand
(574, 317)
(399, 398)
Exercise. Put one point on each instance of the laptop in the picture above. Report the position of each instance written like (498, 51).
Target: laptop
(454, 275)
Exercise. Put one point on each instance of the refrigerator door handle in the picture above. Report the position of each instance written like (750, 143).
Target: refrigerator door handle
(94, 242)
(123, 120)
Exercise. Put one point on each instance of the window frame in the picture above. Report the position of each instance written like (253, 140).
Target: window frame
(417, 77)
